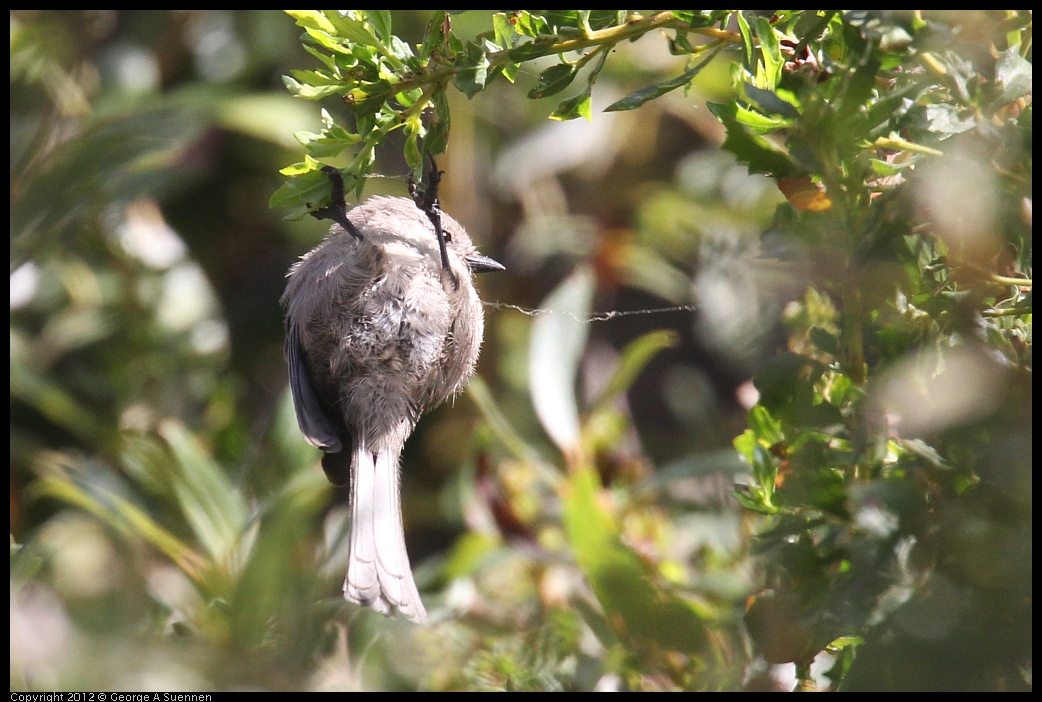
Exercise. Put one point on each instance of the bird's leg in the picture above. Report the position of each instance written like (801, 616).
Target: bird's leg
(337, 209)
(427, 200)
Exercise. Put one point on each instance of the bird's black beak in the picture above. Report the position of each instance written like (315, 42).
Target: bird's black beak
(484, 264)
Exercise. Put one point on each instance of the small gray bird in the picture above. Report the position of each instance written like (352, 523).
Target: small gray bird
(377, 333)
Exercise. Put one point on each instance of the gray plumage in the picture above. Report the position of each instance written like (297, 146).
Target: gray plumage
(377, 333)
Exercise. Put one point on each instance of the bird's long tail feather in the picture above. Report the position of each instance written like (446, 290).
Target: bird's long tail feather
(378, 572)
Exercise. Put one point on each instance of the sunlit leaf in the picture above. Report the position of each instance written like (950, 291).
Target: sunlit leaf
(208, 499)
(128, 519)
(639, 610)
(577, 106)
(770, 50)
(761, 155)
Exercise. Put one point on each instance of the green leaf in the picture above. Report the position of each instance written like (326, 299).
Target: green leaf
(948, 119)
(498, 422)
(765, 428)
(530, 50)
(328, 61)
(437, 138)
(310, 92)
(759, 122)
(770, 102)
(639, 610)
(824, 340)
(506, 37)
(699, 18)
(126, 518)
(354, 31)
(305, 190)
(761, 155)
(1012, 76)
(765, 472)
(558, 340)
(634, 358)
(433, 37)
(472, 70)
(328, 144)
(311, 19)
(748, 48)
(381, 21)
(413, 157)
(553, 80)
(530, 25)
(747, 498)
(210, 502)
(577, 106)
(770, 50)
(639, 97)
(563, 21)
(601, 19)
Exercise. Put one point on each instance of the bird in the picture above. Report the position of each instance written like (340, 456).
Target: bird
(383, 324)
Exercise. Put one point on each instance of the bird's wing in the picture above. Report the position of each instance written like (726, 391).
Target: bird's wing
(318, 427)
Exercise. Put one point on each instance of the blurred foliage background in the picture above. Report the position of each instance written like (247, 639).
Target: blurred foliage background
(860, 366)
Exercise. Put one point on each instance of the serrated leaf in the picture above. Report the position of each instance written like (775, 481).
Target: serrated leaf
(759, 154)
(759, 122)
(558, 340)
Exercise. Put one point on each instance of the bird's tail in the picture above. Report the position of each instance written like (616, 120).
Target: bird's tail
(378, 573)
